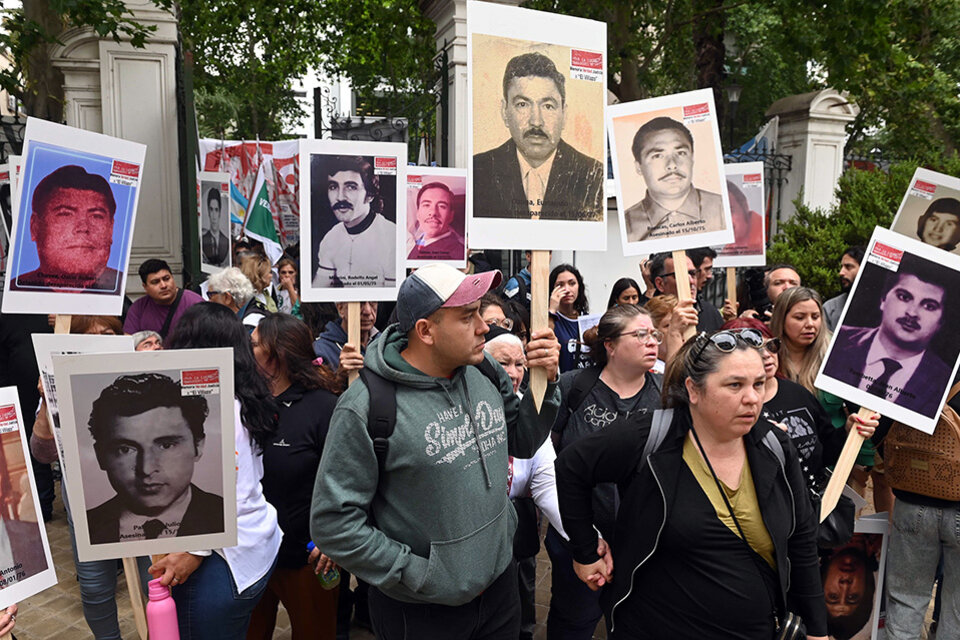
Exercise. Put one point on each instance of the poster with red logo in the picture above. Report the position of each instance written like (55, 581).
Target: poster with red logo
(213, 213)
(668, 169)
(436, 216)
(353, 220)
(747, 212)
(896, 348)
(930, 210)
(76, 206)
(151, 450)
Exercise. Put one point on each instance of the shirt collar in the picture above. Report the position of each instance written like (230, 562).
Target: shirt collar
(131, 524)
(543, 170)
(689, 208)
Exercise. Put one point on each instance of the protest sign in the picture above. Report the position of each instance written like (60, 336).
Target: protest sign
(930, 210)
(436, 216)
(535, 121)
(895, 351)
(353, 220)
(26, 566)
(149, 444)
(745, 188)
(668, 167)
(77, 202)
(213, 200)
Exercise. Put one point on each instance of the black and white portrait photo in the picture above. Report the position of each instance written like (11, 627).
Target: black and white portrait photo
(896, 344)
(150, 447)
(930, 210)
(214, 205)
(353, 216)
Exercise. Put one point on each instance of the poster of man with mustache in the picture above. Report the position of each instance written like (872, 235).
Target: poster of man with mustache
(537, 95)
(350, 219)
(894, 351)
(668, 167)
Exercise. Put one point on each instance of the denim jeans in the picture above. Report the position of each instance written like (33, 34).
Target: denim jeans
(574, 608)
(98, 587)
(918, 537)
(209, 606)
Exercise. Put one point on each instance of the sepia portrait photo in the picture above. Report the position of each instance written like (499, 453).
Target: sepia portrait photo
(895, 349)
(930, 210)
(149, 450)
(537, 146)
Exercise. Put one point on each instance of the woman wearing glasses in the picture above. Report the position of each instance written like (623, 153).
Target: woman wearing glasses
(714, 526)
(618, 389)
(796, 411)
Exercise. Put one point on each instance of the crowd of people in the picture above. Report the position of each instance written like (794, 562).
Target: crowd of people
(677, 476)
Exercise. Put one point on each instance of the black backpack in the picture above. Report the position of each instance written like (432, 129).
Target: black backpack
(382, 413)
(523, 292)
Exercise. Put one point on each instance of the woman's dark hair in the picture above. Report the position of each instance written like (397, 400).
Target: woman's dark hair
(611, 325)
(490, 299)
(520, 316)
(288, 342)
(83, 324)
(696, 359)
(619, 287)
(287, 261)
(580, 304)
(209, 325)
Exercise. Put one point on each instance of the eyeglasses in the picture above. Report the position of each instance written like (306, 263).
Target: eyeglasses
(772, 345)
(643, 335)
(503, 323)
(726, 341)
(213, 293)
(692, 273)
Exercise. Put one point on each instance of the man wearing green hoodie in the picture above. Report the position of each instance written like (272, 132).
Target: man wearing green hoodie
(433, 532)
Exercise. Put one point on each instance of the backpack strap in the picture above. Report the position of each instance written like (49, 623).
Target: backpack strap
(382, 414)
(662, 418)
(487, 369)
(954, 390)
(771, 442)
(583, 383)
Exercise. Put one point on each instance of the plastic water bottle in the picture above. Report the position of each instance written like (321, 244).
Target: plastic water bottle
(328, 580)
(161, 613)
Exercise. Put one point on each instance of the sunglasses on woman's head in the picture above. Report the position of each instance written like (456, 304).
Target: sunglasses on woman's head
(726, 341)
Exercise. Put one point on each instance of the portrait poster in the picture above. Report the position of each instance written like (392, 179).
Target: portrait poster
(896, 346)
(745, 188)
(537, 92)
(668, 168)
(6, 215)
(353, 220)
(73, 227)
(47, 345)
(26, 566)
(213, 204)
(853, 581)
(15, 165)
(149, 439)
(930, 210)
(436, 216)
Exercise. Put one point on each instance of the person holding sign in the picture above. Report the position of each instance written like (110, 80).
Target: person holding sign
(663, 155)
(714, 529)
(428, 522)
(536, 174)
(72, 226)
(892, 360)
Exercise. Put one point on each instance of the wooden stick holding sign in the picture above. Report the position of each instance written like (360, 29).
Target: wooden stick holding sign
(732, 284)
(353, 333)
(130, 570)
(683, 286)
(831, 495)
(539, 311)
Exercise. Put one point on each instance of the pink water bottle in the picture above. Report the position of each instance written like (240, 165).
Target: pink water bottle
(161, 613)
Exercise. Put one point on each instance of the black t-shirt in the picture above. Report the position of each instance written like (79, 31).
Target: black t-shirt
(601, 407)
(290, 464)
(808, 425)
(701, 582)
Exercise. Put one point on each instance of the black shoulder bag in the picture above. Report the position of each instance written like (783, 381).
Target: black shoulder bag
(791, 627)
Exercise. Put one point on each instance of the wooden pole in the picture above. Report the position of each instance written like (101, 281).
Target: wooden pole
(683, 286)
(62, 324)
(831, 495)
(353, 332)
(732, 284)
(539, 311)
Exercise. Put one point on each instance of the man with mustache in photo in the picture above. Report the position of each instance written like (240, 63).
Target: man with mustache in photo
(360, 250)
(663, 156)
(434, 238)
(536, 174)
(893, 361)
(72, 226)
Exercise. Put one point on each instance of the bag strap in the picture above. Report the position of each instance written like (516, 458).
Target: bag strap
(583, 383)
(954, 390)
(173, 310)
(662, 419)
(382, 414)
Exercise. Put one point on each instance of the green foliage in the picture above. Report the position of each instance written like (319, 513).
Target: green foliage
(814, 239)
(216, 112)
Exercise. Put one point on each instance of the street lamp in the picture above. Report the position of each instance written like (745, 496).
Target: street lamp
(733, 99)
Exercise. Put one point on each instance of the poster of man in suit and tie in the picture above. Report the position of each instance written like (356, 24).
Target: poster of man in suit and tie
(536, 138)
(896, 347)
(213, 207)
